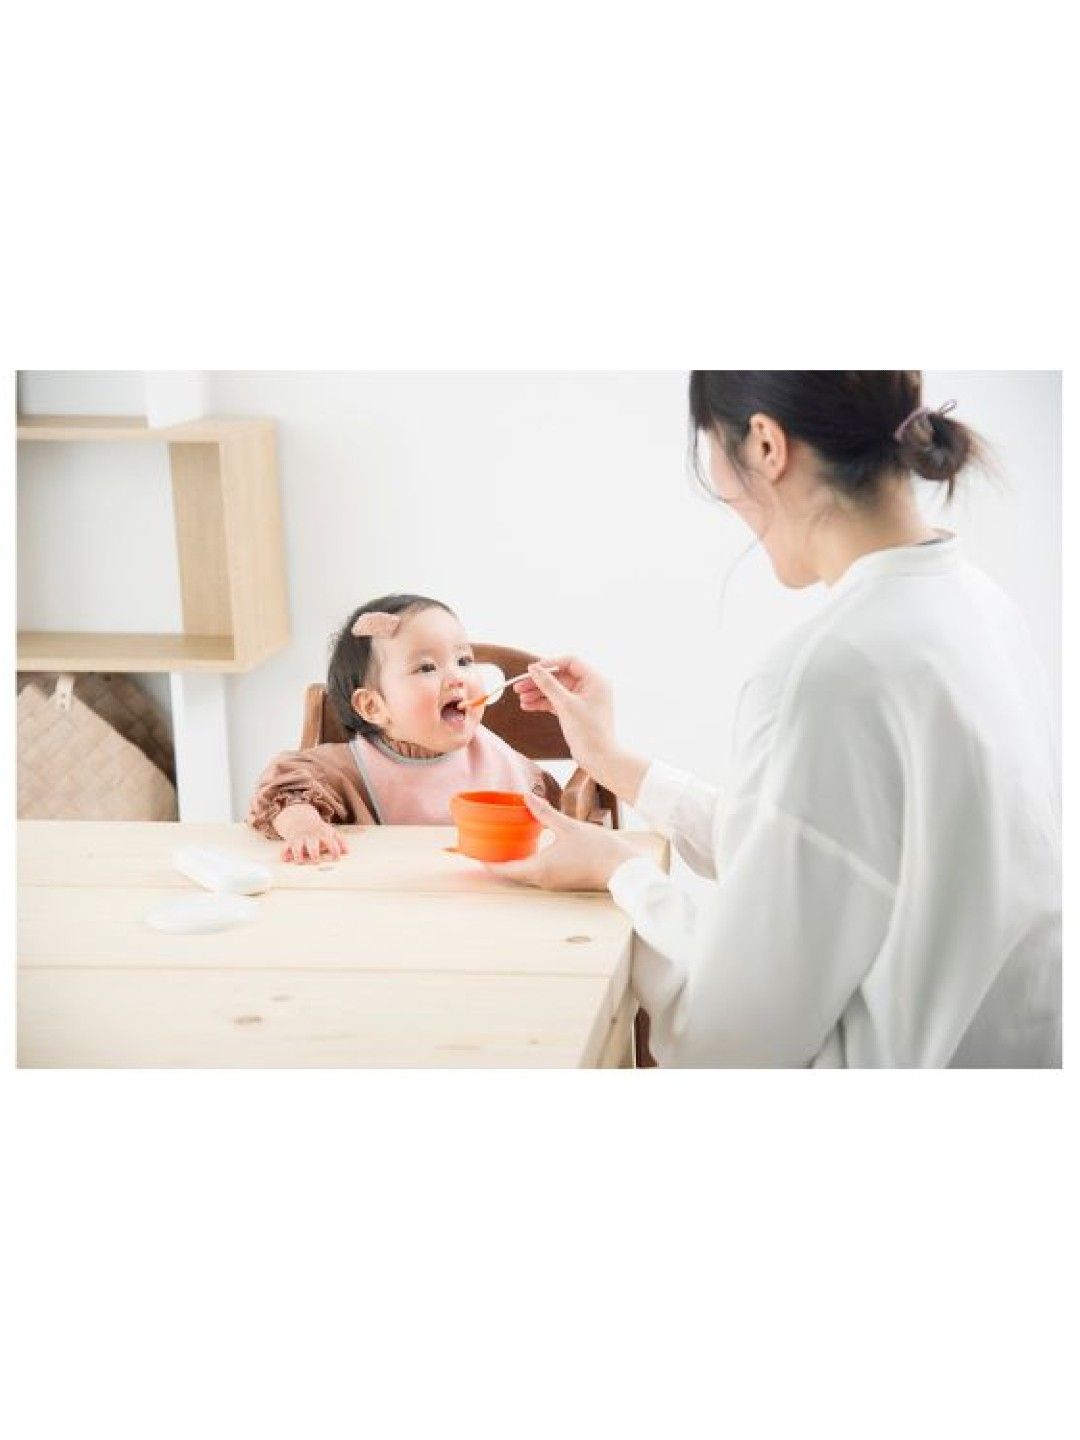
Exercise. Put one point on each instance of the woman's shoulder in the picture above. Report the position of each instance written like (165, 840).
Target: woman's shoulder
(786, 658)
(814, 672)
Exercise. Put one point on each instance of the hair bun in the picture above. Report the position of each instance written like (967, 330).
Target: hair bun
(936, 447)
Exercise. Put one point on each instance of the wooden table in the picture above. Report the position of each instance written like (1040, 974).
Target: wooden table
(399, 954)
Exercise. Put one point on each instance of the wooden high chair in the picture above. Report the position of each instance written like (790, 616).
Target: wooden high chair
(534, 734)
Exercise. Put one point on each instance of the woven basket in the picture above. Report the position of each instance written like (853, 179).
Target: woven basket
(75, 765)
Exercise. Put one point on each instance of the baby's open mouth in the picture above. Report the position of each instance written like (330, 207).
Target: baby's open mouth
(454, 713)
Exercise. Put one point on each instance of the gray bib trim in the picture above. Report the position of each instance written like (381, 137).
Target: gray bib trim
(358, 756)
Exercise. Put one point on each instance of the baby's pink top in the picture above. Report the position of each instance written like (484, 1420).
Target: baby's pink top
(365, 782)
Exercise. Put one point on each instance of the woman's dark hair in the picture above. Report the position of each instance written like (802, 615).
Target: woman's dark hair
(352, 659)
(848, 416)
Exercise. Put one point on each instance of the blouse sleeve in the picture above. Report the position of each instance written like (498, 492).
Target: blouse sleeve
(684, 809)
(313, 777)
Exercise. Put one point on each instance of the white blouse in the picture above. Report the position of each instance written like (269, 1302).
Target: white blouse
(887, 848)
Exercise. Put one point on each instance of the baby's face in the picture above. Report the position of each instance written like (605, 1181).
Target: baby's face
(425, 674)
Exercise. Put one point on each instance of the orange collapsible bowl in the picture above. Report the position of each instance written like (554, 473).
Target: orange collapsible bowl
(494, 825)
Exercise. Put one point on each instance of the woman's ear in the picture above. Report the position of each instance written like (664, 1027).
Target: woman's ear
(370, 706)
(766, 448)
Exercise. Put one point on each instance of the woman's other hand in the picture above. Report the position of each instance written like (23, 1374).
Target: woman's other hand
(581, 857)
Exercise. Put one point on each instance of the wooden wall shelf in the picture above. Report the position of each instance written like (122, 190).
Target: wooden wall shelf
(230, 549)
(110, 653)
(212, 430)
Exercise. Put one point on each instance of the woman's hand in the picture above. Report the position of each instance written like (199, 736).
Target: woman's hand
(580, 699)
(582, 856)
(307, 835)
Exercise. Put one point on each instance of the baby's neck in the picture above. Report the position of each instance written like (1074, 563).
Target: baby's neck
(407, 748)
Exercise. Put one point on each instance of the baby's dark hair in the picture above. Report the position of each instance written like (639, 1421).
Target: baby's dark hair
(352, 659)
(850, 417)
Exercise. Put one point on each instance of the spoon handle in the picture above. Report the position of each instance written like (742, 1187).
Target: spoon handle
(483, 699)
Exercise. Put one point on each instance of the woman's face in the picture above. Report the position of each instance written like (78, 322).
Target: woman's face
(423, 675)
(770, 493)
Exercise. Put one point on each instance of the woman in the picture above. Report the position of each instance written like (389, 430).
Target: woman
(886, 851)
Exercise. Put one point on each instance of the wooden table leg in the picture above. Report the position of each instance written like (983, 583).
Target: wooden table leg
(618, 1051)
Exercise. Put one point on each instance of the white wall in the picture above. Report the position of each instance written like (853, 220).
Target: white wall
(552, 511)
(96, 547)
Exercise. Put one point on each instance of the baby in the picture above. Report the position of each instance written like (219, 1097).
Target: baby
(400, 673)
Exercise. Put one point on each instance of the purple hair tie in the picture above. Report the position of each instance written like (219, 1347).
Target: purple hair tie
(919, 413)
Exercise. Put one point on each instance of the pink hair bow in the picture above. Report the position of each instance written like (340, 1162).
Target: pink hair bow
(377, 625)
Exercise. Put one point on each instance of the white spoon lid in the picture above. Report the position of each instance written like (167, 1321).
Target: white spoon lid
(201, 914)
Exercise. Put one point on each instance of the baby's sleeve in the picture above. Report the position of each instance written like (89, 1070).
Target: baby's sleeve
(543, 784)
(316, 777)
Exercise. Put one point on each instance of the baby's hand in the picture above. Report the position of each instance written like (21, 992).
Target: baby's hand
(309, 838)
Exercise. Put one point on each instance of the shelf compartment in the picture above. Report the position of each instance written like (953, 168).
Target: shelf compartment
(229, 542)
